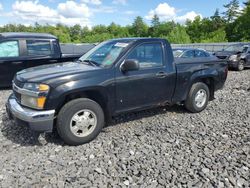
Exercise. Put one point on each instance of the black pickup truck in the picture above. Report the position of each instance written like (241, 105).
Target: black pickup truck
(116, 76)
(19, 51)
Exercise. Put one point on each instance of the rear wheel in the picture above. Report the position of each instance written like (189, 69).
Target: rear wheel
(241, 65)
(80, 121)
(198, 97)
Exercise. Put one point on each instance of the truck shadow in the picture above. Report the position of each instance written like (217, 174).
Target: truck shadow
(23, 136)
(5, 88)
(133, 116)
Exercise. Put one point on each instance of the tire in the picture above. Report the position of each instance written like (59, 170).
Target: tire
(241, 65)
(195, 102)
(80, 121)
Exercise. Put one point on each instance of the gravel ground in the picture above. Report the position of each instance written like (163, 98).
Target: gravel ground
(155, 148)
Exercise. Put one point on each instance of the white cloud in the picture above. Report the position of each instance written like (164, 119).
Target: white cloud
(104, 9)
(70, 9)
(119, 2)
(164, 11)
(168, 13)
(69, 13)
(188, 16)
(31, 10)
(1, 7)
(131, 12)
(93, 2)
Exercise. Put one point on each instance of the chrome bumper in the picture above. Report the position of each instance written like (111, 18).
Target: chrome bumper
(41, 121)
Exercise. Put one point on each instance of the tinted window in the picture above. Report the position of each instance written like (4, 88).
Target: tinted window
(148, 55)
(38, 47)
(245, 49)
(105, 53)
(177, 52)
(188, 54)
(9, 49)
(199, 53)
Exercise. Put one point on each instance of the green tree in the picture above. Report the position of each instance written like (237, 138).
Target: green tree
(240, 29)
(179, 35)
(216, 36)
(194, 29)
(217, 22)
(232, 11)
(75, 33)
(139, 28)
(154, 29)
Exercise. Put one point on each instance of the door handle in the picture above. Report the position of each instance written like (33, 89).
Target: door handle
(161, 74)
(17, 62)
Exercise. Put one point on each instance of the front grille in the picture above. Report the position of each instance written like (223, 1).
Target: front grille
(222, 57)
(18, 83)
(17, 96)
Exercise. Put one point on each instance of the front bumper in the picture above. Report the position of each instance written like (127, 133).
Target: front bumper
(41, 121)
(233, 64)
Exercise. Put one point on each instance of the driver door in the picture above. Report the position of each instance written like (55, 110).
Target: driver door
(148, 86)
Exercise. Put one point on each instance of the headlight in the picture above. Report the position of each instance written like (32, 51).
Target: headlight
(34, 95)
(233, 58)
(36, 87)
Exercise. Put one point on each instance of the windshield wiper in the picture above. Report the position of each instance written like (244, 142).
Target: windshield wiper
(90, 62)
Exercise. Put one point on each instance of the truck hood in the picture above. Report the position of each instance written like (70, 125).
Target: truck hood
(224, 54)
(46, 73)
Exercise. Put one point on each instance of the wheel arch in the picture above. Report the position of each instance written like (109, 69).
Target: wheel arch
(208, 80)
(97, 94)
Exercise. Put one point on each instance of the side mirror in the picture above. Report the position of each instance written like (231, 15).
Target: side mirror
(130, 65)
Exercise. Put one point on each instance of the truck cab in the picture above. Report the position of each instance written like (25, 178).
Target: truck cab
(19, 51)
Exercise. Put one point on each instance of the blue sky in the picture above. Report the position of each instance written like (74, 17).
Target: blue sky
(93, 12)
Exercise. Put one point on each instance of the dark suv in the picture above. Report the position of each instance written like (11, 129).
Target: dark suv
(237, 56)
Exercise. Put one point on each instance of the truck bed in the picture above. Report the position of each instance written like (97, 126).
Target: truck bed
(188, 70)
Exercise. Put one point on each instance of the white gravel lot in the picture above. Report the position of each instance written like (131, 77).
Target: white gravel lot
(164, 147)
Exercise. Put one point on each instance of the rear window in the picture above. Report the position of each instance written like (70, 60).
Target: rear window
(9, 49)
(199, 53)
(38, 47)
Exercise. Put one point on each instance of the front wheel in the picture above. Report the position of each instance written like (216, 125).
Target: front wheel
(198, 97)
(80, 121)
(241, 65)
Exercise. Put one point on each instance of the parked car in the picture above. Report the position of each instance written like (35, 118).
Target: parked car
(198, 54)
(116, 76)
(237, 56)
(19, 51)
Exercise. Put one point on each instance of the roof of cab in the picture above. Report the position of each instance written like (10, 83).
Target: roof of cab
(27, 35)
(187, 48)
(137, 39)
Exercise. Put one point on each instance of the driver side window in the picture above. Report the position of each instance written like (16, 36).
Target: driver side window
(9, 49)
(148, 55)
(188, 54)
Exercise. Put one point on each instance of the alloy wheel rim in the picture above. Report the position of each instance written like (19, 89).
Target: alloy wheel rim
(200, 98)
(83, 123)
(241, 66)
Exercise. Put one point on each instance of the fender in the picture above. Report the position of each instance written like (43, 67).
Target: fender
(186, 82)
(81, 88)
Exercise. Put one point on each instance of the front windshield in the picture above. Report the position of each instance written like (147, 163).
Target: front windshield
(177, 52)
(245, 49)
(105, 53)
(234, 48)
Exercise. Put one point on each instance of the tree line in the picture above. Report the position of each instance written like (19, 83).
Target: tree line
(233, 25)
